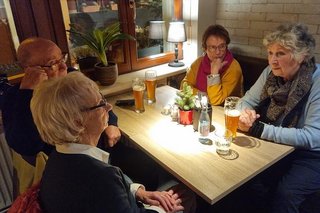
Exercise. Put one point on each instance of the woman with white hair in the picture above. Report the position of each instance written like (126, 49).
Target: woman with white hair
(71, 114)
(283, 106)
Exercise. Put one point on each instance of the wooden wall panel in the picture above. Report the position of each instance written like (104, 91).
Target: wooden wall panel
(7, 53)
(58, 25)
(41, 18)
(43, 21)
(23, 18)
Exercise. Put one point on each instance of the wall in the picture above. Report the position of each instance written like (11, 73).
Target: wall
(249, 20)
(197, 15)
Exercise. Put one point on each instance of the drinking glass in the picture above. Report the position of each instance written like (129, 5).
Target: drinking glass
(232, 114)
(138, 88)
(151, 83)
(175, 113)
(222, 140)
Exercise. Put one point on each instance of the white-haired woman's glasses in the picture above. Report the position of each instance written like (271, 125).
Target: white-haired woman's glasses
(102, 103)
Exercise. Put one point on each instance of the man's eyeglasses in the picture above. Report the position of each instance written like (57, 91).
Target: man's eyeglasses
(221, 47)
(54, 66)
(102, 103)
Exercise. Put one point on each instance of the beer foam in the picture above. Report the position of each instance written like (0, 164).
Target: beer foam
(151, 79)
(138, 88)
(233, 113)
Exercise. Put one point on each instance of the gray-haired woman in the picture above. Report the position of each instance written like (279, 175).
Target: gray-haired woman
(70, 114)
(283, 106)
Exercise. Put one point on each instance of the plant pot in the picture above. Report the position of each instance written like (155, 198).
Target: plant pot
(86, 66)
(196, 115)
(106, 75)
(185, 117)
(87, 62)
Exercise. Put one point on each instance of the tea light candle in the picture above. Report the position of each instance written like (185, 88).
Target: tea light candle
(166, 109)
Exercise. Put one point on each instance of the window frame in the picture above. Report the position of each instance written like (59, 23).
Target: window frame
(46, 19)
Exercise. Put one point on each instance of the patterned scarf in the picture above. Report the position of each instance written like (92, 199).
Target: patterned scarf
(205, 70)
(286, 98)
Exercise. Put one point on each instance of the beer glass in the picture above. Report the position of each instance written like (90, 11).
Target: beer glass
(151, 83)
(232, 114)
(138, 88)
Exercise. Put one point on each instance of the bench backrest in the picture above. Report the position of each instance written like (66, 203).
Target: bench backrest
(251, 69)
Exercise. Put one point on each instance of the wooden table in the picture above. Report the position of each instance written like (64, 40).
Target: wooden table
(176, 148)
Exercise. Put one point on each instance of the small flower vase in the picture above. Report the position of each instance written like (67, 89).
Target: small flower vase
(185, 117)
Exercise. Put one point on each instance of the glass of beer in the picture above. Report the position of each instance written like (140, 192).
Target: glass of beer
(138, 88)
(151, 83)
(232, 114)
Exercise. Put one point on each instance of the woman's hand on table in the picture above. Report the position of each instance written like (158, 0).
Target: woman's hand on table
(247, 118)
(168, 200)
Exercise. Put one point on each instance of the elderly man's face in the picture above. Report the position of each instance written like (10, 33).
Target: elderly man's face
(52, 61)
(282, 62)
(98, 116)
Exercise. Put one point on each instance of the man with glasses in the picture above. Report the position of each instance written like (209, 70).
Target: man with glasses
(216, 73)
(41, 59)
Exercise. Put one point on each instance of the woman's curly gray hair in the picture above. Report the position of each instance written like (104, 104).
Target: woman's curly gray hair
(294, 37)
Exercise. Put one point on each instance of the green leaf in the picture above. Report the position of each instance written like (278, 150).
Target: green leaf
(186, 107)
(191, 105)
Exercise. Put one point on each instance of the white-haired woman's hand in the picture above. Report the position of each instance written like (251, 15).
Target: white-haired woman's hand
(247, 118)
(168, 200)
(113, 134)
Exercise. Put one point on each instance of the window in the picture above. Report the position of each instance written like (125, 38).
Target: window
(146, 20)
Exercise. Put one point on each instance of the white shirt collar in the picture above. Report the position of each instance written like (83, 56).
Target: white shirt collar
(76, 148)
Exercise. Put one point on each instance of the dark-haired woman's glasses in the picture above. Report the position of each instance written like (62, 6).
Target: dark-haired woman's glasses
(221, 47)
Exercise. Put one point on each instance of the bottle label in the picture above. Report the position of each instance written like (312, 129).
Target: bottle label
(204, 128)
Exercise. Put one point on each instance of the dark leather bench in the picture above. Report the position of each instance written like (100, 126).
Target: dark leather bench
(251, 69)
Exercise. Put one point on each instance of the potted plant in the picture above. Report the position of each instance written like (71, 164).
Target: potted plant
(185, 102)
(100, 41)
(86, 59)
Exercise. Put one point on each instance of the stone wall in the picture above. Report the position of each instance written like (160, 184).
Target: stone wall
(249, 20)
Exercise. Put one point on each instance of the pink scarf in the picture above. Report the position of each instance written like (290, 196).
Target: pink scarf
(205, 70)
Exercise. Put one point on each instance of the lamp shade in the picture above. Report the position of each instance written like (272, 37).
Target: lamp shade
(156, 29)
(176, 32)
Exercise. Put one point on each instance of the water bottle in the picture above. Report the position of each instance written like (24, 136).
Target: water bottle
(204, 122)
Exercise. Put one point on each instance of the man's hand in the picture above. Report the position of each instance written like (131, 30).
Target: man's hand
(33, 76)
(247, 118)
(113, 134)
(168, 200)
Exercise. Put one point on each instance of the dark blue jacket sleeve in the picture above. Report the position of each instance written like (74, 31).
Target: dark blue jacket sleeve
(20, 131)
(113, 119)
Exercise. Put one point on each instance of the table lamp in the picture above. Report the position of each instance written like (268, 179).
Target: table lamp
(156, 32)
(156, 29)
(176, 33)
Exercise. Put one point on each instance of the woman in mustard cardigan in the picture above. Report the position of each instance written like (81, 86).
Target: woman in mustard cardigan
(216, 72)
